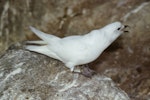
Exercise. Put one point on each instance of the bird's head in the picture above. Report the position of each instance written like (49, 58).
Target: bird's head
(114, 30)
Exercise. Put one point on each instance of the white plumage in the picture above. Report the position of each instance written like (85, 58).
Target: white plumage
(78, 49)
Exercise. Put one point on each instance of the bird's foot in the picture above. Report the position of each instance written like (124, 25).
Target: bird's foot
(87, 72)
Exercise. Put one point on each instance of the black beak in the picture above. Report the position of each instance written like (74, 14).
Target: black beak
(126, 26)
(126, 31)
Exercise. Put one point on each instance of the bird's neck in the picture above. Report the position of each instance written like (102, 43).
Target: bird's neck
(100, 40)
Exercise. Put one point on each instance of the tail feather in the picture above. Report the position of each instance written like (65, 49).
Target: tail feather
(36, 42)
(43, 50)
(45, 37)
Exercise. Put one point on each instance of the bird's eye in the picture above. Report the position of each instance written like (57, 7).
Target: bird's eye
(119, 28)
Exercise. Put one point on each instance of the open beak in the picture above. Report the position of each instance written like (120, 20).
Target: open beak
(125, 29)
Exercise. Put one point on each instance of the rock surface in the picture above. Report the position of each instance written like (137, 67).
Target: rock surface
(126, 61)
(26, 75)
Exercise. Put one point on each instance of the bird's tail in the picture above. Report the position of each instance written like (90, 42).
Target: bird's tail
(36, 42)
(42, 50)
(45, 37)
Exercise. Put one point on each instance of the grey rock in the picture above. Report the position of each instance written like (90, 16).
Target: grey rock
(57, 17)
(64, 18)
(27, 75)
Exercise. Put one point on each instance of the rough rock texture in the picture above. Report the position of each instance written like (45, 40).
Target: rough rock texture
(127, 61)
(130, 66)
(26, 75)
(57, 17)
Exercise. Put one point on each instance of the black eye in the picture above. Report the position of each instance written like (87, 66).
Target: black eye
(119, 28)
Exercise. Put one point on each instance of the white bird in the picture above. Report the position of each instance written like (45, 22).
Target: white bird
(77, 49)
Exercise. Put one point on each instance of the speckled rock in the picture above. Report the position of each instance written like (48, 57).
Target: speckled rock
(27, 75)
(129, 67)
(57, 17)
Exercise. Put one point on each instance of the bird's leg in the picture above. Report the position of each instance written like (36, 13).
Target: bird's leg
(86, 71)
(83, 69)
(77, 70)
